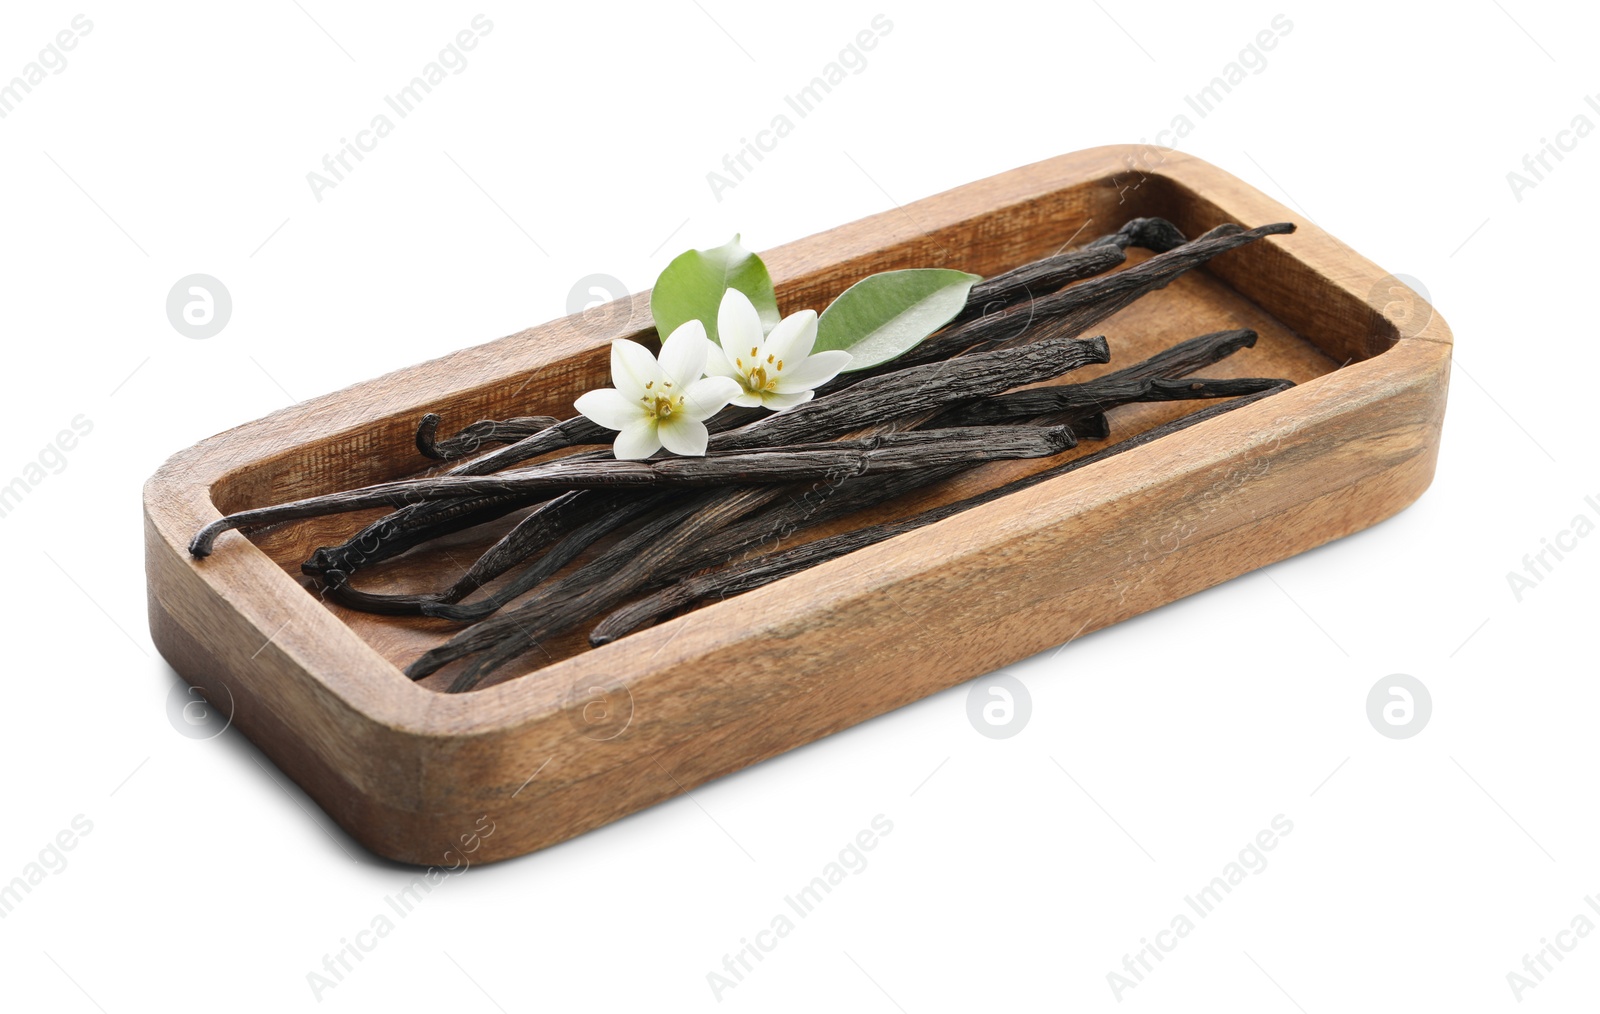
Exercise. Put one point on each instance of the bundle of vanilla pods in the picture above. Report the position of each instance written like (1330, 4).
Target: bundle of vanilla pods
(683, 530)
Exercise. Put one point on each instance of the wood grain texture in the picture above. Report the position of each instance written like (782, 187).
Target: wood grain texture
(408, 770)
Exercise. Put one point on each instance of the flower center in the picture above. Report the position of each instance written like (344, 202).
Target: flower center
(756, 377)
(660, 405)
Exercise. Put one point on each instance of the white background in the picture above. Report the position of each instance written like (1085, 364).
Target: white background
(1419, 872)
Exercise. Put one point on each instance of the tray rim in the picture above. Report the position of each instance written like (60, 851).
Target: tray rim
(346, 673)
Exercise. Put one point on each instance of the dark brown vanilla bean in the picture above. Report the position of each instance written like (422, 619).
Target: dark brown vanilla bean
(916, 390)
(415, 523)
(1092, 427)
(1188, 355)
(1134, 383)
(607, 582)
(1156, 234)
(510, 431)
(782, 464)
(1187, 389)
(1207, 388)
(475, 437)
(1046, 275)
(548, 522)
(1085, 304)
(1036, 278)
(566, 433)
(763, 570)
(394, 534)
(566, 526)
(564, 551)
(784, 519)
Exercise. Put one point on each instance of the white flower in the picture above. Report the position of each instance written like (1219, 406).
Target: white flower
(661, 403)
(777, 371)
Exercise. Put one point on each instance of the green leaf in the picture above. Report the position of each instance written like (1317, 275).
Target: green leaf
(691, 288)
(888, 314)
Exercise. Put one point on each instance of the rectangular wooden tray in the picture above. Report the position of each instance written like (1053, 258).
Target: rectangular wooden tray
(593, 735)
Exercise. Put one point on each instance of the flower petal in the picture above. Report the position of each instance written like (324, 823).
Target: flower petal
(610, 408)
(738, 324)
(707, 396)
(792, 339)
(747, 399)
(779, 402)
(720, 364)
(684, 353)
(682, 435)
(632, 368)
(813, 372)
(637, 441)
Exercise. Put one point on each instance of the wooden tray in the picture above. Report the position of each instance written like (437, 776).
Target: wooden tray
(593, 735)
